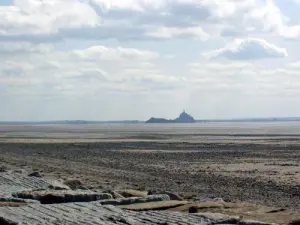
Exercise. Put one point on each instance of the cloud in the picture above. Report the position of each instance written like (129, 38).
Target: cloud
(91, 70)
(56, 20)
(169, 32)
(105, 53)
(44, 19)
(14, 48)
(248, 49)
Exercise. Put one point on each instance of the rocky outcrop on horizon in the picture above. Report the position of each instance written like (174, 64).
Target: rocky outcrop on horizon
(183, 118)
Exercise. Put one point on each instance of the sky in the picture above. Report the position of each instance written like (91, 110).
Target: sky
(134, 59)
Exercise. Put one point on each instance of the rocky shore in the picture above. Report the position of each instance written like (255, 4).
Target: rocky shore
(33, 200)
(255, 173)
(148, 173)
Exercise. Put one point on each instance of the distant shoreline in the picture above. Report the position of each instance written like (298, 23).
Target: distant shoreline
(87, 122)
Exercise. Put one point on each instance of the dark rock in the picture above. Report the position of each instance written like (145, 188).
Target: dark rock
(35, 174)
(133, 193)
(295, 222)
(55, 196)
(4, 221)
(51, 199)
(3, 168)
(193, 209)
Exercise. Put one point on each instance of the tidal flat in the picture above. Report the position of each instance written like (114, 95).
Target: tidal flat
(239, 162)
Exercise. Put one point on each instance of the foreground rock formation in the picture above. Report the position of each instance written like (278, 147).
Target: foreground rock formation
(32, 200)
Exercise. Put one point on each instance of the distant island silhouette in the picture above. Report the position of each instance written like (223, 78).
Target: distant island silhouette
(183, 118)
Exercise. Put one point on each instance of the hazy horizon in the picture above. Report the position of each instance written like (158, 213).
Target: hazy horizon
(135, 59)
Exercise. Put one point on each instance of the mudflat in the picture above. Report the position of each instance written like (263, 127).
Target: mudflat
(251, 162)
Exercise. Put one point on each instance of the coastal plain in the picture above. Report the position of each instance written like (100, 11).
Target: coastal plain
(239, 162)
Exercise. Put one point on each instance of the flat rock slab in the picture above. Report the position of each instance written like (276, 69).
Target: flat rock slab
(11, 182)
(95, 213)
(154, 205)
(62, 196)
(92, 213)
(135, 200)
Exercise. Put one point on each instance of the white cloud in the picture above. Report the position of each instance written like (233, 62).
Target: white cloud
(22, 47)
(169, 32)
(44, 18)
(105, 53)
(248, 49)
(54, 20)
(91, 70)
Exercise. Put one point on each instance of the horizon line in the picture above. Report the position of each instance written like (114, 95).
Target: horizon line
(135, 120)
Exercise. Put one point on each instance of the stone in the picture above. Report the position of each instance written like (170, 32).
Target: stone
(253, 222)
(295, 222)
(35, 174)
(133, 193)
(135, 200)
(92, 213)
(73, 183)
(115, 194)
(82, 188)
(18, 200)
(62, 196)
(3, 168)
(219, 218)
(4, 221)
(172, 195)
(161, 205)
(95, 213)
(56, 185)
(20, 171)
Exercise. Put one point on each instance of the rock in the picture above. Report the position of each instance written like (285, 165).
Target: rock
(64, 196)
(173, 196)
(218, 200)
(133, 193)
(82, 188)
(135, 200)
(3, 168)
(95, 213)
(16, 202)
(162, 197)
(21, 171)
(219, 218)
(4, 221)
(56, 185)
(35, 174)
(11, 199)
(295, 222)
(253, 222)
(193, 209)
(115, 194)
(73, 183)
(162, 205)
